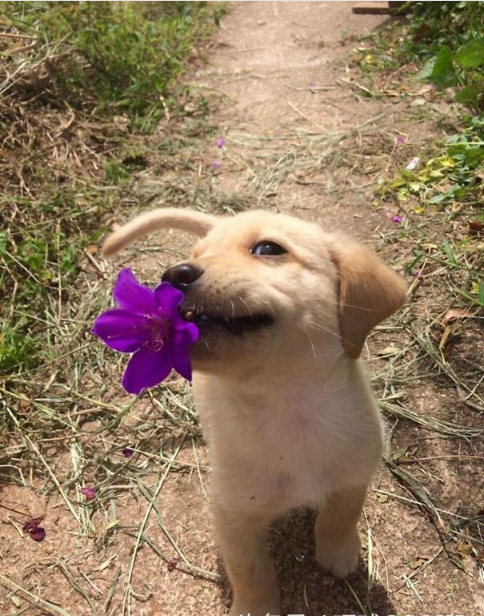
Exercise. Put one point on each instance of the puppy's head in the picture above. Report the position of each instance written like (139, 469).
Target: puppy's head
(266, 287)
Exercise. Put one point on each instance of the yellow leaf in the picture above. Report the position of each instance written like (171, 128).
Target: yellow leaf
(446, 161)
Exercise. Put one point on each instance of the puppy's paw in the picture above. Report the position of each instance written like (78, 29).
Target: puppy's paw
(339, 557)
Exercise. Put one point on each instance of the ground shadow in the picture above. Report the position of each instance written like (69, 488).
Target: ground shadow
(305, 589)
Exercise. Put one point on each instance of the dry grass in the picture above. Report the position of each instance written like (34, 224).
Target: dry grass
(64, 421)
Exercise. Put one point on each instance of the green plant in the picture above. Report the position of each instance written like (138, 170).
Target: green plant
(91, 74)
(115, 57)
(451, 36)
(453, 173)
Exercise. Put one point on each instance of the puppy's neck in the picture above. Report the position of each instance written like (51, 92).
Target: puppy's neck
(283, 373)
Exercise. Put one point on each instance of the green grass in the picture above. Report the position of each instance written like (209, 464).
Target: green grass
(444, 39)
(114, 57)
(84, 81)
(441, 43)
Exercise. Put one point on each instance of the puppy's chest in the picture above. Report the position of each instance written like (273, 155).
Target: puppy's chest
(297, 458)
(282, 456)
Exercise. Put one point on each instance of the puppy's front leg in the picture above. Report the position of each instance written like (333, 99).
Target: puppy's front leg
(337, 540)
(244, 544)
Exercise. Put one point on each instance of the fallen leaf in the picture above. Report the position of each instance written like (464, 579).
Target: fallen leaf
(389, 350)
(417, 562)
(475, 226)
(454, 314)
(418, 102)
(464, 548)
(426, 89)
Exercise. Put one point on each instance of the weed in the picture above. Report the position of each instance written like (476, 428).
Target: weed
(441, 196)
(112, 57)
(86, 76)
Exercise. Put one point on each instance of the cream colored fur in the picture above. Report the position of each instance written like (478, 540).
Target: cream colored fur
(286, 410)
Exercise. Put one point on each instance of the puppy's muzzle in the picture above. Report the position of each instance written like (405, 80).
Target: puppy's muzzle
(198, 306)
(183, 275)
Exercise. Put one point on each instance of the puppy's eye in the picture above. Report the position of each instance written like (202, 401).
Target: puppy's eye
(267, 249)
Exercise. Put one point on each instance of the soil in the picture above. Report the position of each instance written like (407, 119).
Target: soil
(281, 69)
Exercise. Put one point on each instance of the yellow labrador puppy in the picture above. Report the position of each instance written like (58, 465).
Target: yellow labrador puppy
(284, 310)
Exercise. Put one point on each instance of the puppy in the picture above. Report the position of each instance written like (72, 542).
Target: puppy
(284, 310)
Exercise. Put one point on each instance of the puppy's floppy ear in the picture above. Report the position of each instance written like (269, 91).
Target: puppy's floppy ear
(369, 293)
(192, 221)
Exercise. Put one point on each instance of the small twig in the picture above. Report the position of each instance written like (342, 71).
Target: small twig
(47, 604)
(18, 36)
(14, 510)
(128, 590)
(303, 115)
(35, 449)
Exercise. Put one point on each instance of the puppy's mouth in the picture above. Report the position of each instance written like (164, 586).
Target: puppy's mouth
(234, 325)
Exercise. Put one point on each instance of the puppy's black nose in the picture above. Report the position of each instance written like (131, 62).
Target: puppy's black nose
(182, 276)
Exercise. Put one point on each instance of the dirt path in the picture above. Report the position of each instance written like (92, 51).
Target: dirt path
(300, 139)
(281, 66)
(291, 119)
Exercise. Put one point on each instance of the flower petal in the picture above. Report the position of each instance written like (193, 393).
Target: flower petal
(133, 296)
(121, 330)
(181, 362)
(88, 492)
(147, 369)
(168, 299)
(184, 332)
(30, 525)
(37, 533)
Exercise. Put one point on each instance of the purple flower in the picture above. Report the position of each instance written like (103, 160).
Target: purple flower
(397, 219)
(32, 528)
(127, 452)
(37, 534)
(399, 140)
(311, 84)
(217, 164)
(148, 324)
(89, 493)
(220, 142)
(416, 273)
